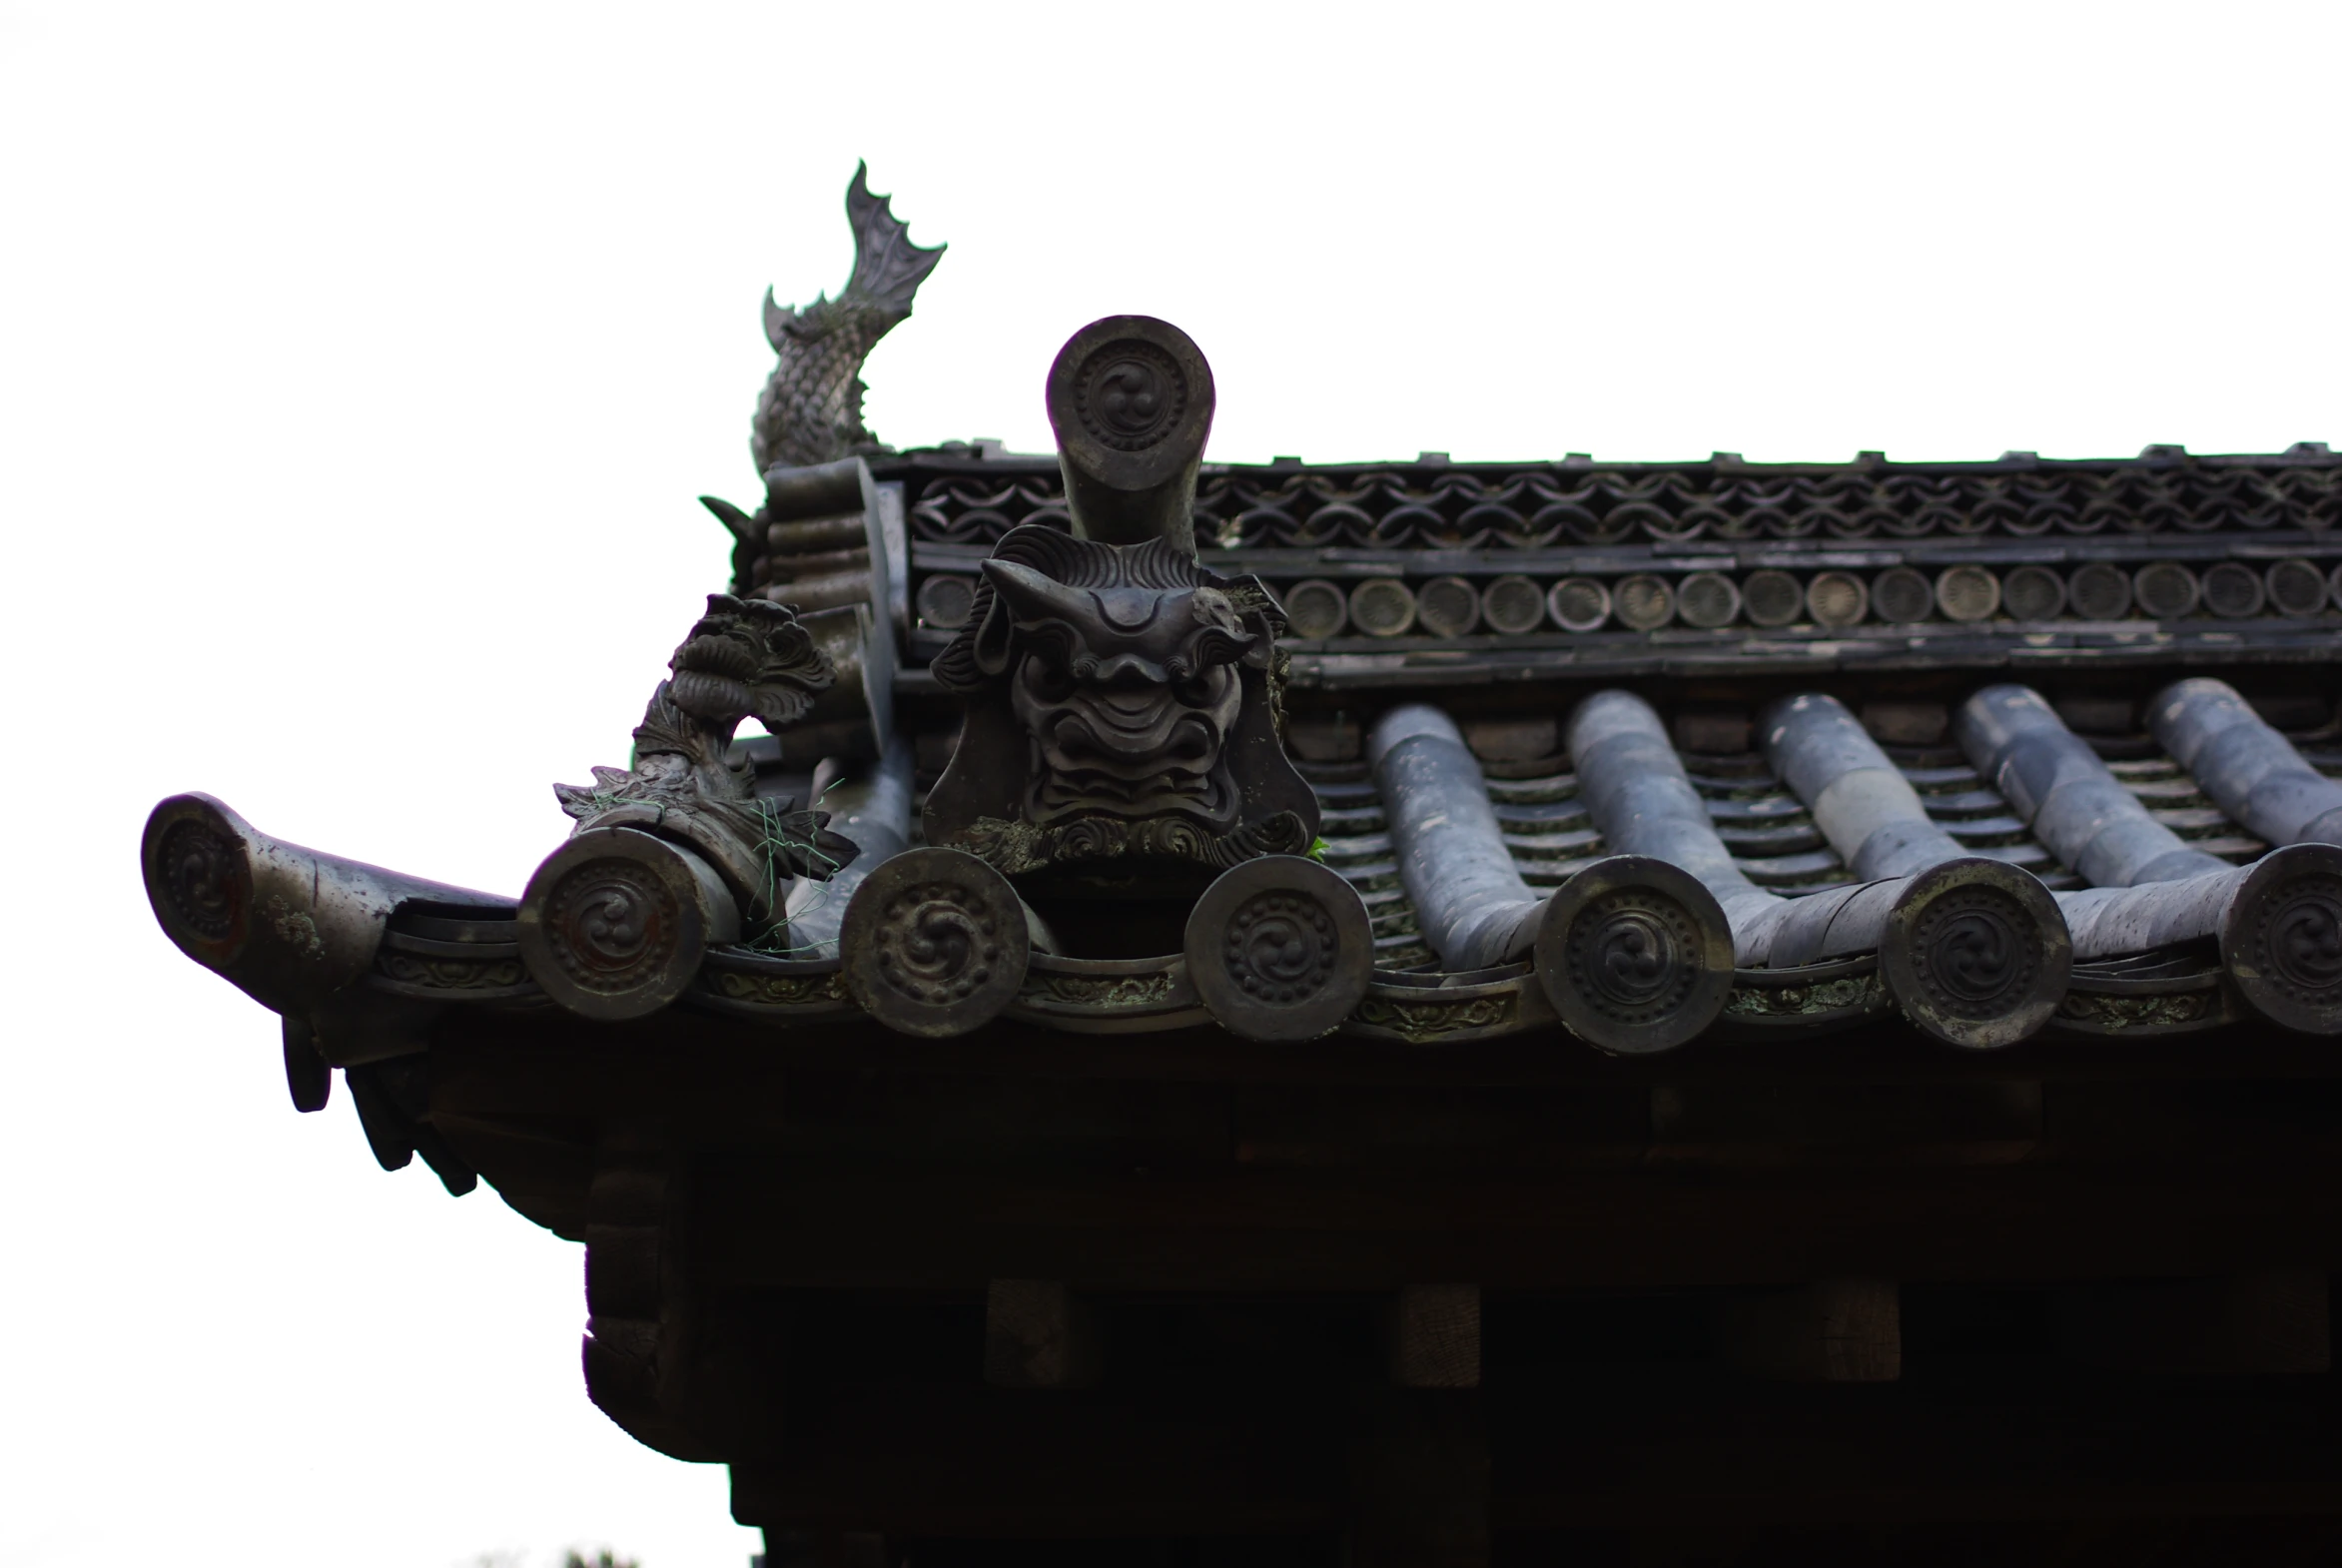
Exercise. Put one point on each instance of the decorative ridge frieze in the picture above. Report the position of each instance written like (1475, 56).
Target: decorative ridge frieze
(1504, 565)
(1532, 506)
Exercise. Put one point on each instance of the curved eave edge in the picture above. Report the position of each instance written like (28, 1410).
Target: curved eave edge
(1401, 1007)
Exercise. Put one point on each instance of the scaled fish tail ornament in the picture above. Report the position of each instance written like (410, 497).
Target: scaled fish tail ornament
(810, 411)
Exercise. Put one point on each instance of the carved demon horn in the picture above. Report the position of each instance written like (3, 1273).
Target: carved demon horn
(1033, 597)
(1131, 400)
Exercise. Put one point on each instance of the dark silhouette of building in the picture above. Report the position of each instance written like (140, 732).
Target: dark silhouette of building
(1415, 1012)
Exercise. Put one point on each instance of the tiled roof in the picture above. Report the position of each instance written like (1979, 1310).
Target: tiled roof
(1771, 832)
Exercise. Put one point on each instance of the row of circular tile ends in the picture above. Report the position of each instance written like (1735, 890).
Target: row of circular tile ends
(1900, 596)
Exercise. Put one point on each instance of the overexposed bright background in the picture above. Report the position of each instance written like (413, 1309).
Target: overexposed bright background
(359, 363)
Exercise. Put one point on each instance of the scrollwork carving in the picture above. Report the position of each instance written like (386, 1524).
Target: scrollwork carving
(936, 945)
(2100, 1014)
(1632, 956)
(1101, 990)
(1975, 953)
(1854, 993)
(614, 923)
(1129, 393)
(1018, 847)
(2282, 936)
(609, 923)
(780, 989)
(1635, 955)
(2302, 946)
(450, 974)
(1280, 946)
(935, 942)
(204, 879)
(1430, 1020)
(1971, 954)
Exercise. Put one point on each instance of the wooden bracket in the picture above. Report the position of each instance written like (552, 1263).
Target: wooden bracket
(1039, 1334)
(2272, 1322)
(1830, 1331)
(641, 1328)
(1436, 1338)
(1419, 1481)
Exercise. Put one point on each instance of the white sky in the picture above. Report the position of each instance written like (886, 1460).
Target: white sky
(359, 366)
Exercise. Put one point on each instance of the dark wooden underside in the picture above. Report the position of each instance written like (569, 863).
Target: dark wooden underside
(805, 1224)
(1560, 1453)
